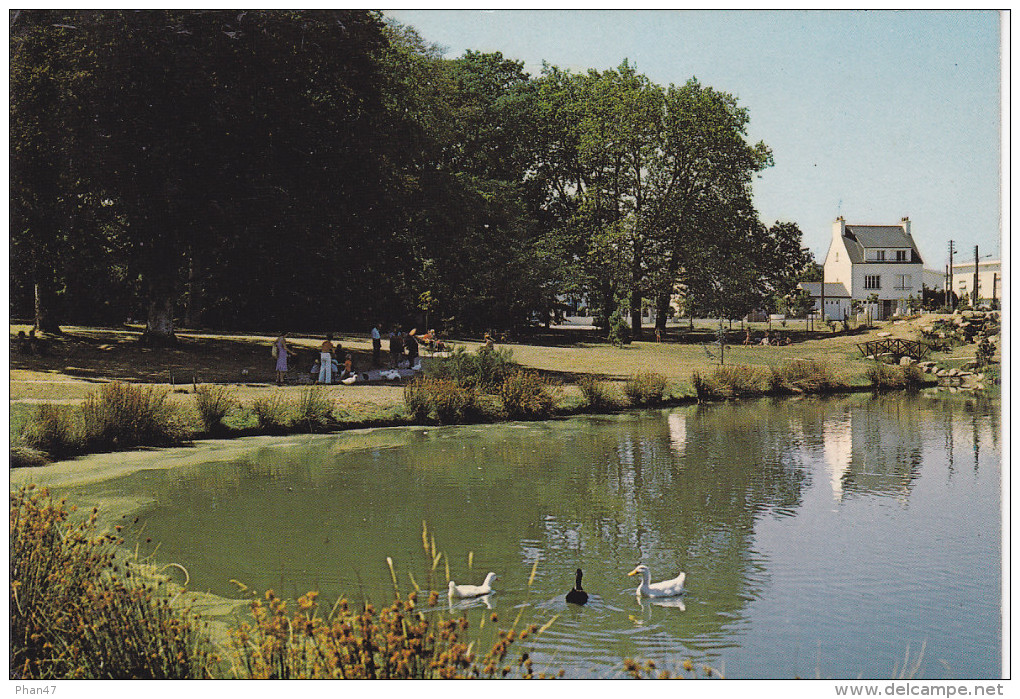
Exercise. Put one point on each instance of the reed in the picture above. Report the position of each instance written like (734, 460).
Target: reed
(79, 612)
(315, 409)
(596, 393)
(270, 412)
(214, 402)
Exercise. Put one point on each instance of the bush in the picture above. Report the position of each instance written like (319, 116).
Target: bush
(270, 412)
(214, 402)
(525, 395)
(595, 392)
(885, 376)
(914, 377)
(645, 388)
(123, 416)
(441, 401)
(619, 329)
(23, 456)
(75, 614)
(484, 370)
(315, 408)
(985, 352)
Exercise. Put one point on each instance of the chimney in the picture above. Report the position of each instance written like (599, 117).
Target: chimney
(838, 228)
(905, 222)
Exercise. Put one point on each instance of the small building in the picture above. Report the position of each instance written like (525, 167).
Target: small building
(989, 279)
(879, 262)
(837, 299)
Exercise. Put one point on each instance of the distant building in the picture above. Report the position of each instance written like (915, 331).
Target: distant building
(875, 260)
(989, 280)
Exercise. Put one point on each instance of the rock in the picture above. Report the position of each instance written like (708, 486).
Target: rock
(941, 372)
(979, 386)
(954, 372)
(906, 361)
(870, 356)
(885, 334)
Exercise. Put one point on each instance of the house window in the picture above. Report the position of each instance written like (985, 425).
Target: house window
(903, 282)
(872, 281)
(880, 255)
(901, 255)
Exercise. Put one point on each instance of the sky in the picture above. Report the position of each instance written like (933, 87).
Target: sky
(870, 115)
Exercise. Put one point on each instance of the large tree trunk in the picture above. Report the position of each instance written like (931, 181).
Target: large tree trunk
(159, 327)
(661, 311)
(193, 312)
(45, 317)
(635, 314)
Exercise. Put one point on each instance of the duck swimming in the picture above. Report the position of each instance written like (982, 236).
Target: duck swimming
(472, 590)
(577, 595)
(666, 588)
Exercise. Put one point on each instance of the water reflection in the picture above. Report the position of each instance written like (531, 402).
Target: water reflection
(778, 510)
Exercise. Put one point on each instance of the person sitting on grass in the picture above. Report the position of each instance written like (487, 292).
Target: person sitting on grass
(348, 370)
(765, 340)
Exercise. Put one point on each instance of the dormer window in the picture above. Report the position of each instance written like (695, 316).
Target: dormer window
(901, 255)
(880, 255)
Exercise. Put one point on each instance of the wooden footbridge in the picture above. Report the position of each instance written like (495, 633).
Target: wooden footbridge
(915, 349)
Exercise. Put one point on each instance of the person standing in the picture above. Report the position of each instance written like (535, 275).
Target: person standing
(326, 360)
(376, 345)
(396, 347)
(412, 349)
(280, 351)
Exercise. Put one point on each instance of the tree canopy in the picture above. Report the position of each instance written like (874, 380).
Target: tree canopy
(329, 169)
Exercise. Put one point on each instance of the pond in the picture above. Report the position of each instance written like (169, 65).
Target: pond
(836, 538)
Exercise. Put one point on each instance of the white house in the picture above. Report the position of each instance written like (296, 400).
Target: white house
(880, 260)
(989, 279)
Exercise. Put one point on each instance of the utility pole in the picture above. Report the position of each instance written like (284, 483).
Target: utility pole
(975, 297)
(950, 286)
(995, 279)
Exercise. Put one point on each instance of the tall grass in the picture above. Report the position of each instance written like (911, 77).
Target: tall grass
(645, 388)
(118, 416)
(78, 612)
(596, 393)
(270, 412)
(749, 381)
(54, 429)
(888, 377)
(315, 409)
(810, 376)
(122, 416)
(214, 402)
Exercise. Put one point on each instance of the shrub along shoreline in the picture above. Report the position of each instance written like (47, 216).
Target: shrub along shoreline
(466, 388)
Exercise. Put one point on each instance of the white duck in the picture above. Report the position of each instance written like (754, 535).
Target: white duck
(666, 588)
(472, 590)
